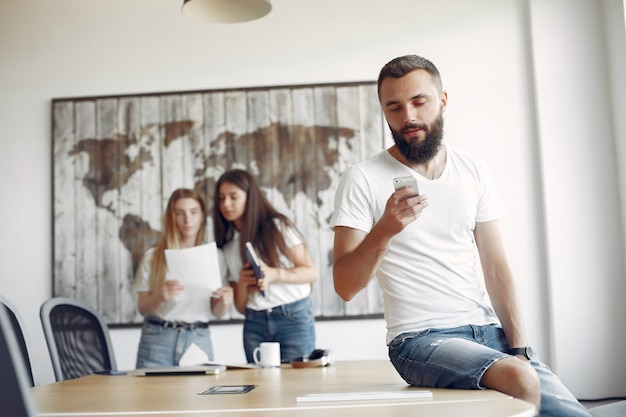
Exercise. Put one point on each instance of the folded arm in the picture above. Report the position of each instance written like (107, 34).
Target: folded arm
(303, 270)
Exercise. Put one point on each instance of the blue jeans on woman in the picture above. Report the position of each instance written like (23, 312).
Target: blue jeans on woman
(458, 358)
(164, 346)
(292, 325)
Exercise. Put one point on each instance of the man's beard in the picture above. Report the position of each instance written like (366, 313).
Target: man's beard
(414, 151)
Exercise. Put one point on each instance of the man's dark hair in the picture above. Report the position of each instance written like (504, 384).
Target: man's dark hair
(401, 66)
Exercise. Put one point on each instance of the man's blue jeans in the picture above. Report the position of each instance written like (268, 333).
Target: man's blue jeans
(458, 358)
(293, 325)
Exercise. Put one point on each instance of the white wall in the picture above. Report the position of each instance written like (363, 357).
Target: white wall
(349, 340)
(530, 85)
(585, 245)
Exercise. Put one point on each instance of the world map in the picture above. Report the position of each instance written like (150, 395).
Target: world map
(117, 160)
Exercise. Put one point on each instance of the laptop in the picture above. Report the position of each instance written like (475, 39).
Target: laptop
(181, 370)
(230, 366)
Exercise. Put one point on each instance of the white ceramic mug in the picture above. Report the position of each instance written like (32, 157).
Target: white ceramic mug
(269, 353)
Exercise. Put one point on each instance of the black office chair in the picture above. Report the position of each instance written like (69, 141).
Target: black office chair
(20, 336)
(15, 396)
(77, 337)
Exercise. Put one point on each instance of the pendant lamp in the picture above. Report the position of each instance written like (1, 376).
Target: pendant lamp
(226, 11)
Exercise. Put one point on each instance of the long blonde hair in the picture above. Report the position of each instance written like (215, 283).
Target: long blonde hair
(170, 237)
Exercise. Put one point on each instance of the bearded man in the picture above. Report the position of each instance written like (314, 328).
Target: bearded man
(443, 329)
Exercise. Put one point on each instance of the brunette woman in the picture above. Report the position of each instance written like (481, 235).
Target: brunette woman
(276, 307)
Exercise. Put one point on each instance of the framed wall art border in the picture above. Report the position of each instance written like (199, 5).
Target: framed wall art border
(116, 160)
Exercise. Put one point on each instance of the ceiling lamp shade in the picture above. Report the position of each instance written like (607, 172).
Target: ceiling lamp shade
(226, 11)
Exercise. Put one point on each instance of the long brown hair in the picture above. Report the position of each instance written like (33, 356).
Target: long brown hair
(261, 220)
(170, 236)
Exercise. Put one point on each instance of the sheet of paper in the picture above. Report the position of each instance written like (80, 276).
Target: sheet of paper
(366, 396)
(193, 356)
(197, 267)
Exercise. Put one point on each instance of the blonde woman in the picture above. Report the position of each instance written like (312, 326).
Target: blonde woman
(174, 319)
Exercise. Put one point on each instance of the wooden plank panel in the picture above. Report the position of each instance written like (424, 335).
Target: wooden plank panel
(129, 153)
(174, 129)
(372, 126)
(214, 149)
(281, 120)
(281, 158)
(258, 142)
(215, 154)
(127, 131)
(235, 122)
(235, 112)
(63, 199)
(216, 133)
(150, 140)
(263, 148)
(107, 225)
(326, 139)
(86, 199)
(195, 143)
(287, 169)
(141, 198)
(187, 141)
(302, 138)
(348, 110)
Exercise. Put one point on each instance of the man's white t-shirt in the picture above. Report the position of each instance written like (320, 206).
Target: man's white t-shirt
(188, 306)
(278, 293)
(430, 276)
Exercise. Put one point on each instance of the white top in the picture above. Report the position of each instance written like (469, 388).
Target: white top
(278, 293)
(430, 276)
(187, 306)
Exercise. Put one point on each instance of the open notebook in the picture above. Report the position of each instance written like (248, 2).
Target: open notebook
(181, 370)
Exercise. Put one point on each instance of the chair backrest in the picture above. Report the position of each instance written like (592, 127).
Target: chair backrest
(77, 337)
(20, 336)
(15, 396)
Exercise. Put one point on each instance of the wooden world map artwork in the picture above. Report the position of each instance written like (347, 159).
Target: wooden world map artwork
(116, 160)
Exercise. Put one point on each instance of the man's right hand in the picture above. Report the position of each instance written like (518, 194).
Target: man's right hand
(401, 211)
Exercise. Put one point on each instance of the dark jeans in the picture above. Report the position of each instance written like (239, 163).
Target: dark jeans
(292, 325)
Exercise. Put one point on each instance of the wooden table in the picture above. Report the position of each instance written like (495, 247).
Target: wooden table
(275, 395)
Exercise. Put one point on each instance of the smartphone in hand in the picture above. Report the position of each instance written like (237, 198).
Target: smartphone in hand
(252, 257)
(408, 181)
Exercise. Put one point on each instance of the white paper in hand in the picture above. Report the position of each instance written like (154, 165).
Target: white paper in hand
(197, 268)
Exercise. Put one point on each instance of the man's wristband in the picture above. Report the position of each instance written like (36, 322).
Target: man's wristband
(526, 351)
